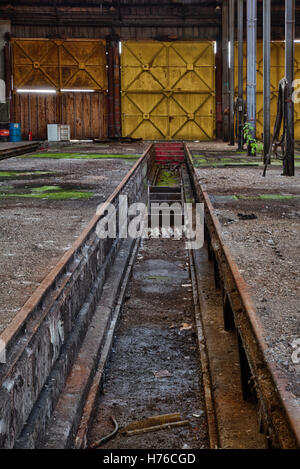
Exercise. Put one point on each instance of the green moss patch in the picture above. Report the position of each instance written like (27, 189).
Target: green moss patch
(59, 195)
(80, 156)
(46, 189)
(22, 174)
(167, 178)
(50, 193)
(276, 197)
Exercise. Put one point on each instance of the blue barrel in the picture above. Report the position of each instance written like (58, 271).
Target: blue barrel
(14, 132)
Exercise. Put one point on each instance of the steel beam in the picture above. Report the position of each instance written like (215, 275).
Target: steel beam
(251, 66)
(231, 72)
(219, 112)
(240, 72)
(114, 94)
(225, 71)
(267, 76)
(289, 165)
(110, 92)
(117, 89)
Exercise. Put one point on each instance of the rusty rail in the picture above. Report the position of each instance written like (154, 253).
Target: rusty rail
(279, 410)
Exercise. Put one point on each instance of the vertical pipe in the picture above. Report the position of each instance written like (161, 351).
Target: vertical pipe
(8, 76)
(231, 73)
(225, 71)
(251, 66)
(267, 76)
(117, 89)
(240, 72)
(110, 94)
(289, 167)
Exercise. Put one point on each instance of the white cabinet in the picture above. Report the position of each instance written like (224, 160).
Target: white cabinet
(58, 132)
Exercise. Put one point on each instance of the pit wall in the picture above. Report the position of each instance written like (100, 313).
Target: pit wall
(60, 309)
(278, 412)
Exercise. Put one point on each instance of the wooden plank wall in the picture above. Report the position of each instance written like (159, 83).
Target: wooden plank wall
(33, 112)
(84, 112)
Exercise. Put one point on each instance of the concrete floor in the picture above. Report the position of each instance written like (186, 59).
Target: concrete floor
(35, 231)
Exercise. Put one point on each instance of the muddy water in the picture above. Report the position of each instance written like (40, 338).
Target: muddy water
(156, 333)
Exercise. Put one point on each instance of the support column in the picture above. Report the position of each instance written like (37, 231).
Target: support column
(267, 77)
(5, 69)
(117, 89)
(240, 72)
(114, 91)
(225, 71)
(110, 92)
(251, 65)
(219, 112)
(231, 72)
(289, 166)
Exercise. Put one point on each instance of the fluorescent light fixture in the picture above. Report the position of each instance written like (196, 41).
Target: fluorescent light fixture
(229, 50)
(120, 47)
(24, 90)
(215, 47)
(76, 90)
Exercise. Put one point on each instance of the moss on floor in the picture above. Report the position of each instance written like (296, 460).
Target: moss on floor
(276, 197)
(168, 178)
(22, 174)
(46, 189)
(50, 193)
(91, 156)
(59, 195)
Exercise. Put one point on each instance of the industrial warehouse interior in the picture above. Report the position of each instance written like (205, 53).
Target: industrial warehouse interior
(150, 227)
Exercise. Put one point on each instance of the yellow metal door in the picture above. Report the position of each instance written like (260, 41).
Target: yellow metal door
(168, 90)
(58, 64)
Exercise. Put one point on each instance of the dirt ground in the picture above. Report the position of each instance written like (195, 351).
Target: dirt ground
(36, 232)
(156, 334)
(264, 237)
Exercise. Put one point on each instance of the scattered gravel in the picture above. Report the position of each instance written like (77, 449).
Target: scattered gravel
(35, 233)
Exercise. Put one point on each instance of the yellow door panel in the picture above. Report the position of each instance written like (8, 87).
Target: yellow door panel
(46, 63)
(168, 90)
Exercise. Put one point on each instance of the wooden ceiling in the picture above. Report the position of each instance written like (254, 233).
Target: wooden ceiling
(132, 14)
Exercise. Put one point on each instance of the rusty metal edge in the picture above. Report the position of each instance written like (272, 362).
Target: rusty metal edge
(213, 433)
(287, 399)
(16, 324)
(20, 150)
